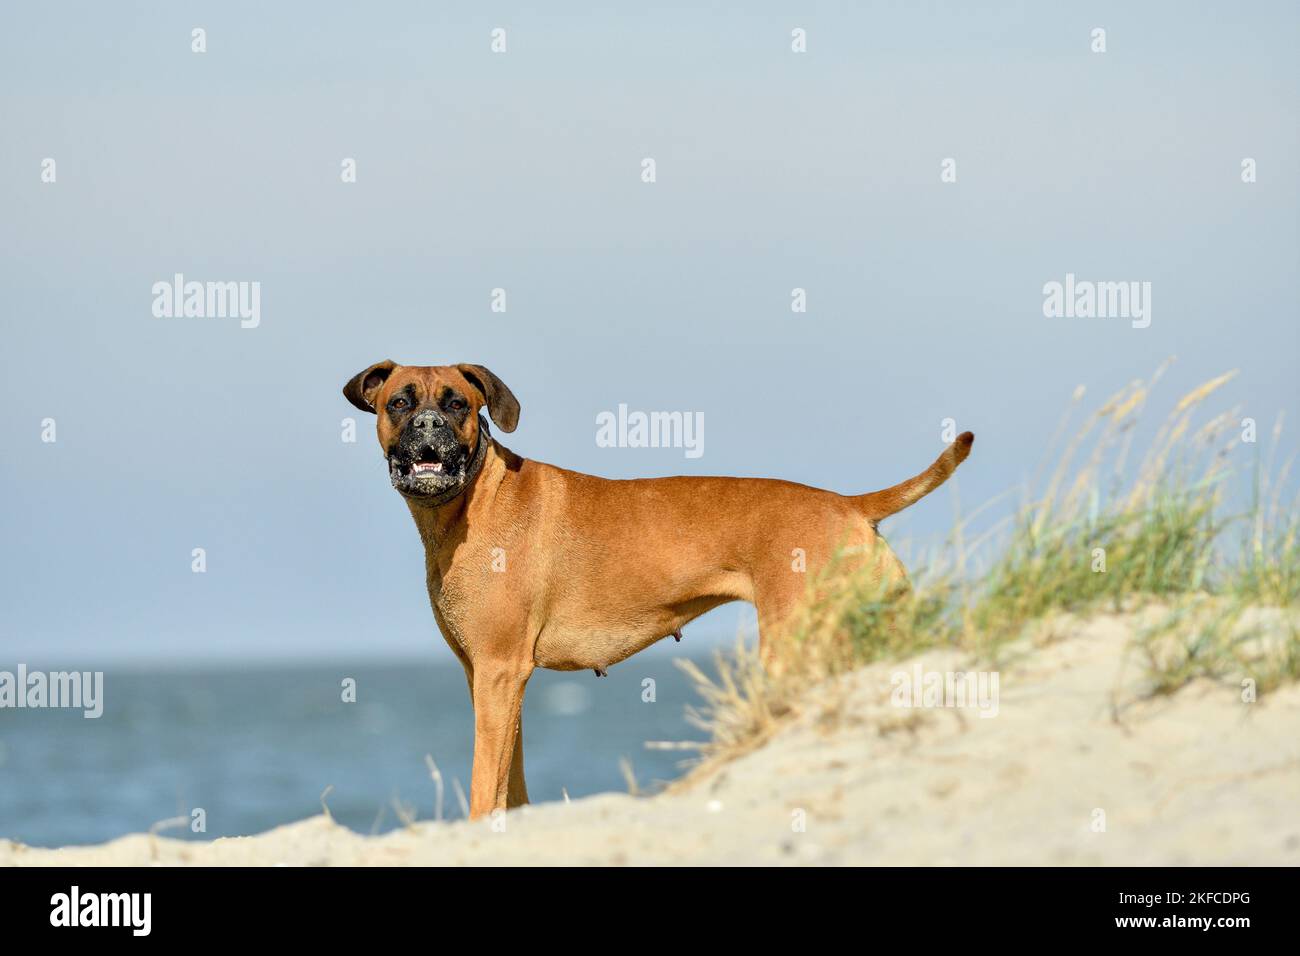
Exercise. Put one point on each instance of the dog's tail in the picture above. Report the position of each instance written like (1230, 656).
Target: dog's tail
(882, 504)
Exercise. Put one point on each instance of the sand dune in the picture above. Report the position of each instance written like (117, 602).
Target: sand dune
(1198, 777)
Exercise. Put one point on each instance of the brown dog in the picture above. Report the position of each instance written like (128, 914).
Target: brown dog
(530, 565)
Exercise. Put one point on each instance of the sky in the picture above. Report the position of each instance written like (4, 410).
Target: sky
(522, 170)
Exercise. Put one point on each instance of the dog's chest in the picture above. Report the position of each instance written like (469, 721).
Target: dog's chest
(478, 603)
(451, 598)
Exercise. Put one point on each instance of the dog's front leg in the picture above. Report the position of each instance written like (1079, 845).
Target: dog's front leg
(517, 794)
(498, 744)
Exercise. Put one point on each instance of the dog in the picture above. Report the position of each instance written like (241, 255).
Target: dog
(529, 565)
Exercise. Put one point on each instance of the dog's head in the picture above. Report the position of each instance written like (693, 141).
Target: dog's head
(428, 421)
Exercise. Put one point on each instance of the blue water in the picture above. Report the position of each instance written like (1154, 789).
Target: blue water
(255, 748)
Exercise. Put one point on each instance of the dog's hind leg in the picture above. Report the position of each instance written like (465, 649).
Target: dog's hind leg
(777, 596)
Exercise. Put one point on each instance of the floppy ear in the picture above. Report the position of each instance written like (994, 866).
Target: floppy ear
(501, 402)
(362, 388)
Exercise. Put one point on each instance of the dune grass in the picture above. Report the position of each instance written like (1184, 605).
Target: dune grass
(1104, 534)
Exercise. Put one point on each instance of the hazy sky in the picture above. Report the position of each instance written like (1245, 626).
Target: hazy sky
(522, 170)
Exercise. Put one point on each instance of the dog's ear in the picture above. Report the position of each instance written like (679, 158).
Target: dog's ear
(501, 402)
(362, 388)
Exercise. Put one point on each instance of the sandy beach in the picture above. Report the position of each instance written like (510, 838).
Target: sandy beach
(1079, 766)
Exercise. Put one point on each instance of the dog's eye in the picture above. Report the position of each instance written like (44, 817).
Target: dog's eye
(398, 404)
(457, 404)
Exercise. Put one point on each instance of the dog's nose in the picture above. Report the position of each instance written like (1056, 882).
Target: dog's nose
(427, 421)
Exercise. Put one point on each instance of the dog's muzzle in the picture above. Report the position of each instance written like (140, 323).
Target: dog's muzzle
(429, 463)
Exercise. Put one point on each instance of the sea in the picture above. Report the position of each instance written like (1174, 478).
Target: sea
(199, 752)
